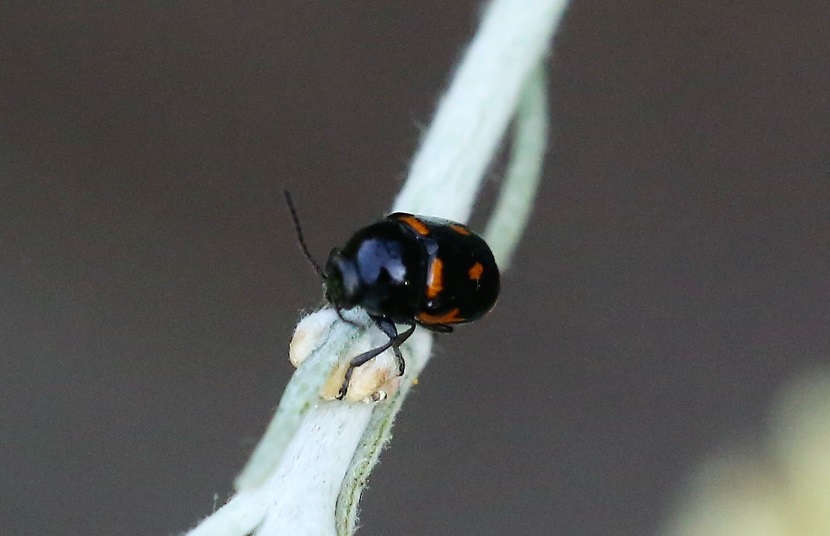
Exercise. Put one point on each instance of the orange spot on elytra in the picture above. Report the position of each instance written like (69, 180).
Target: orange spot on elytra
(417, 225)
(435, 279)
(450, 317)
(475, 271)
(460, 229)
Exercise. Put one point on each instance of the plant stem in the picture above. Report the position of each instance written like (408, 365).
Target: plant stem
(307, 474)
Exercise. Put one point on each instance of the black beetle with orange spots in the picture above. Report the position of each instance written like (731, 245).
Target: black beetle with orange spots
(410, 270)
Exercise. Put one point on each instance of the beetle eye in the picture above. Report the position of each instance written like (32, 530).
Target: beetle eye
(334, 288)
(343, 287)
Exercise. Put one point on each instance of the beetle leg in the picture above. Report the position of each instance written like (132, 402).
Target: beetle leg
(346, 320)
(356, 362)
(388, 327)
(395, 340)
(439, 328)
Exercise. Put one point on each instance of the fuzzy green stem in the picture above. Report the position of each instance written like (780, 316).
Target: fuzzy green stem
(307, 473)
(517, 195)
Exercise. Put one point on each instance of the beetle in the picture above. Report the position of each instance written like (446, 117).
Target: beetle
(410, 270)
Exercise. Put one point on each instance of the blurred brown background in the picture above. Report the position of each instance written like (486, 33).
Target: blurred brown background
(674, 274)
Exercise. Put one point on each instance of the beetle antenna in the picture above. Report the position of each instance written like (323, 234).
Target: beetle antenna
(296, 219)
